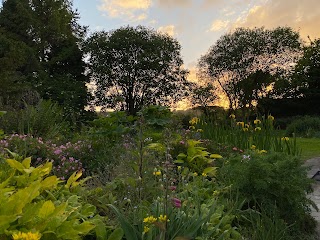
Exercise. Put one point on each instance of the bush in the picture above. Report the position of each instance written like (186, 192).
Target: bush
(45, 120)
(270, 181)
(36, 205)
(306, 126)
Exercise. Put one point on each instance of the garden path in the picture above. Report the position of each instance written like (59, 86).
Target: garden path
(314, 172)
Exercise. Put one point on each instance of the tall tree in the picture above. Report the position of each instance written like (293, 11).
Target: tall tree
(135, 67)
(248, 62)
(53, 61)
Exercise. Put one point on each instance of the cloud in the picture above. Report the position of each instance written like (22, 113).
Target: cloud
(169, 29)
(174, 3)
(210, 3)
(303, 16)
(130, 9)
(219, 25)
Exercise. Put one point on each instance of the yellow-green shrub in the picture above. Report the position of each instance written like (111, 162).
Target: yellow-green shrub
(31, 201)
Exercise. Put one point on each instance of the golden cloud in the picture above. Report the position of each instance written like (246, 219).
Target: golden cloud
(170, 30)
(218, 25)
(174, 3)
(300, 15)
(125, 8)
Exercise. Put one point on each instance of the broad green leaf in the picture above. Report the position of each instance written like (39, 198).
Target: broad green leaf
(215, 156)
(157, 147)
(73, 178)
(5, 221)
(178, 161)
(181, 155)
(88, 210)
(46, 209)
(50, 182)
(116, 234)
(15, 164)
(26, 162)
(84, 228)
(210, 170)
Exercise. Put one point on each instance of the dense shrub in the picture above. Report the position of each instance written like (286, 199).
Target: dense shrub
(35, 205)
(306, 126)
(42, 120)
(269, 181)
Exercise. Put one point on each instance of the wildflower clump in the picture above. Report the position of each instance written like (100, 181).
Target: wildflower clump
(26, 236)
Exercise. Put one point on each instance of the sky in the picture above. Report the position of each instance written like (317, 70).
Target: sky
(198, 24)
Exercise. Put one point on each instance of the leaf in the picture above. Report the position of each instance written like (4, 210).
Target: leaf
(46, 209)
(49, 183)
(116, 234)
(15, 164)
(129, 232)
(84, 228)
(181, 155)
(157, 147)
(5, 221)
(211, 171)
(178, 161)
(215, 156)
(73, 178)
(26, 162)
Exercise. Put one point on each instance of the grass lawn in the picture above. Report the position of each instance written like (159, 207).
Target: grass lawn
(310, 147)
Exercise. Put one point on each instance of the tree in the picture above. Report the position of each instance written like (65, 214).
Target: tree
(204, 96)
(50, 58)
(135, 67)
(248, 62)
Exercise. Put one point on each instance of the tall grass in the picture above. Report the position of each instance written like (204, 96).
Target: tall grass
(259, 134)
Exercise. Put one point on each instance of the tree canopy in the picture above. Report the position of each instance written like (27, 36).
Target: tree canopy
(40, 47)
(135, 67)
(248, 62)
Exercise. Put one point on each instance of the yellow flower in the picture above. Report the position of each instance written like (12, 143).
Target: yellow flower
(199, 130)
(247, 125)
(194, 121)
(157, 173)
(150, 219)
(163, 218)
(195, 174)
(26, 236)
(270, 117)
(240, 124)
(253, 147)
(146, 229)
(192, 127)
(262, 151)
(204, 174)
(245, 129)
(257, 121)
(179, 168)
(232, 116)
(257, 129)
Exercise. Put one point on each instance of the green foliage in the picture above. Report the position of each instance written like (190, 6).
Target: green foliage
(156, 116)
(275, 182)
(259, 134)
(47, 58)
(135, 67)
(305, 126)
(197, 160)
(31, 200)
(46, 120)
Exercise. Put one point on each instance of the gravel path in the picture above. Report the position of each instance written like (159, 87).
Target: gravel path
(314, 165)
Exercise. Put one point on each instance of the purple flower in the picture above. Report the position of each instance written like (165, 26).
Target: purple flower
(57, 151)
(176, 202)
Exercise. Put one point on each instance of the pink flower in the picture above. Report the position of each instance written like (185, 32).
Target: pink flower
(57, 152)
(235, 149)
(182, 142)
(176, 202)
(172, 188)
